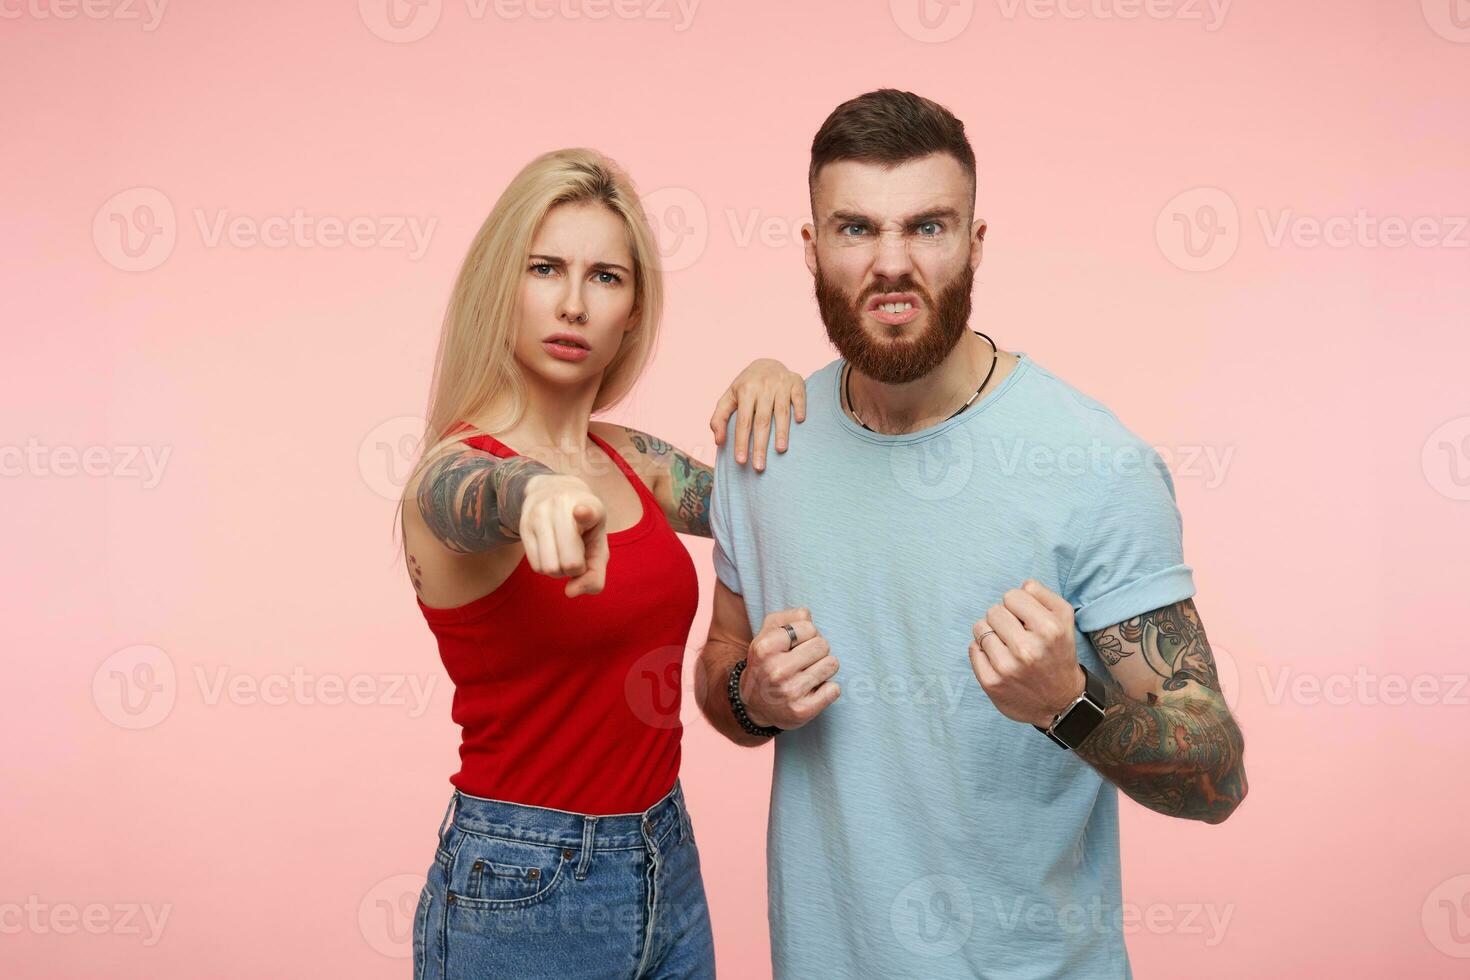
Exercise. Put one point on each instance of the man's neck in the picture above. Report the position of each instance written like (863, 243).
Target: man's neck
(910, 406)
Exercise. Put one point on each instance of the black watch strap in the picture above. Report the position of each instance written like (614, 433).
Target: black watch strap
(738, 706)
(1073, 725)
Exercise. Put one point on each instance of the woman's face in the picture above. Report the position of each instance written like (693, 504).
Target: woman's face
(576, 295)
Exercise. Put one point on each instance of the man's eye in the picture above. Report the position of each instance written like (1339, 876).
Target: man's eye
(842, 230)
(930, 228)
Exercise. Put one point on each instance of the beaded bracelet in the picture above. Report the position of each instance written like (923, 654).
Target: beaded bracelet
(738, 706)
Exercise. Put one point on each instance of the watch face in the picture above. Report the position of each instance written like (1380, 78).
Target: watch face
(1079, 722)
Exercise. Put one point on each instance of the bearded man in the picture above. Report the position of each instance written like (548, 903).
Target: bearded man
(960, 609)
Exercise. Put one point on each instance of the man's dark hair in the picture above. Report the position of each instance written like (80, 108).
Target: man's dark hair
(889, 127)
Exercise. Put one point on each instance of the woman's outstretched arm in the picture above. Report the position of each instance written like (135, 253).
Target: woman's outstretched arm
(473, 502)
(472, 499)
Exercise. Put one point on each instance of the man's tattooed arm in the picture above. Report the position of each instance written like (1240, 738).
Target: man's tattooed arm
(1175, 748)
(472, 499)
(684, 487)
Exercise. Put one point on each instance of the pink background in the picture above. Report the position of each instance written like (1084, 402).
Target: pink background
(1329, 537)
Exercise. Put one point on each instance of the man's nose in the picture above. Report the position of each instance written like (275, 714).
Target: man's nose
(892, 259)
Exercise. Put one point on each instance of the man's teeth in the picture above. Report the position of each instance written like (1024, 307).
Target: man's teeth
(895, 307)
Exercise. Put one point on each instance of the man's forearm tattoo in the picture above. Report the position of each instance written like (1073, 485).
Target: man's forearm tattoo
(1171, 641)
(691, 483)
(472, 501)
(1180, 754)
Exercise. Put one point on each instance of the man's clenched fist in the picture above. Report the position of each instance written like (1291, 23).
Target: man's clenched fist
(1025, 655)
(785, 685)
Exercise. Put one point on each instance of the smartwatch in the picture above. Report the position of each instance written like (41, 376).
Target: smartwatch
(1077, 720)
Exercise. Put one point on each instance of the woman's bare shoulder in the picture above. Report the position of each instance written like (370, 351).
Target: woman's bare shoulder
(647, 454)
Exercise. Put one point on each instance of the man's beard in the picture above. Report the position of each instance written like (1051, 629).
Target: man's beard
(895, 362)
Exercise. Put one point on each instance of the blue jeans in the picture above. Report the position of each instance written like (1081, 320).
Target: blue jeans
(525, 891)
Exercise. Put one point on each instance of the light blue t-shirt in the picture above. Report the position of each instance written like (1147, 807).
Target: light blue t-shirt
(914, 830)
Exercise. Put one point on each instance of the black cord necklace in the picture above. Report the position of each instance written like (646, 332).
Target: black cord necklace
(847, 385)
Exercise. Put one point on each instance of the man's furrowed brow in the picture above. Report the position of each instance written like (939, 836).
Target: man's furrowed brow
(849, 217)
(932, 214)
(919, 218)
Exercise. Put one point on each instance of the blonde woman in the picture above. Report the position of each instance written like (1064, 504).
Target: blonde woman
(542, 547)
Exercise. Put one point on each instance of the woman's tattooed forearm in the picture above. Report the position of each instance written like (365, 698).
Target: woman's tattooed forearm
(691, 483)
(472, 501)
(1180, 754)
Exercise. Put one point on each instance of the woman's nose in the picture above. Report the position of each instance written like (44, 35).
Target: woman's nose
(572, 310)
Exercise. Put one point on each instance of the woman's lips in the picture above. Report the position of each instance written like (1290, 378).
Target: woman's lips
(565, 352)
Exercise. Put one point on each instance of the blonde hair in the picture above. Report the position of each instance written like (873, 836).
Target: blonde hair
(475, 367)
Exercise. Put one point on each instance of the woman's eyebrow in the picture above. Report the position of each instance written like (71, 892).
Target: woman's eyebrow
(558, 260)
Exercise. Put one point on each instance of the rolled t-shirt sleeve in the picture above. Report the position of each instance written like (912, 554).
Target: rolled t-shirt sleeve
(721, 521)
(1131, 560)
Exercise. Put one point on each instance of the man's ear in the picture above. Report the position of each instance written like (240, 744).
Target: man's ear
(977, 242)
(809, 246)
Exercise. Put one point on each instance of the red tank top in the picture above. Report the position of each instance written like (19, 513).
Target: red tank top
(574, 703)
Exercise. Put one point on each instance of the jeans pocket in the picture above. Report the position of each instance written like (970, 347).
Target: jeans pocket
(497, 873)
